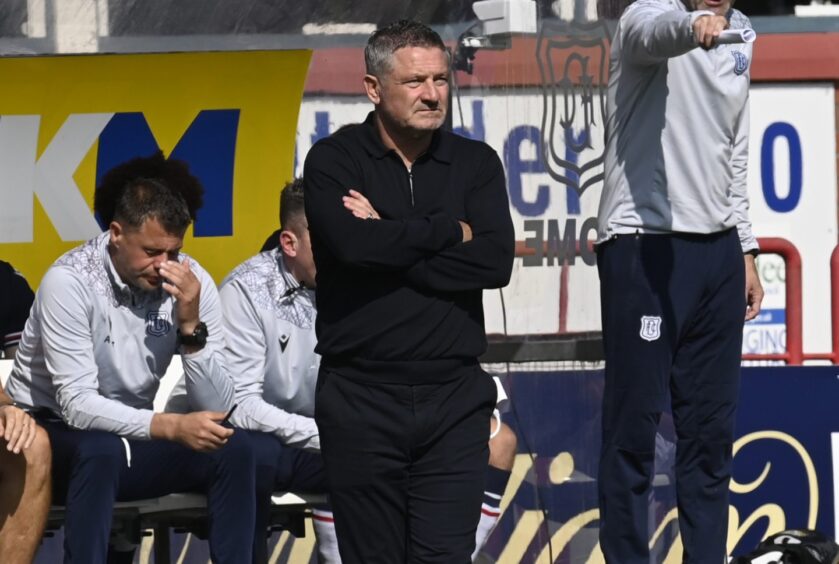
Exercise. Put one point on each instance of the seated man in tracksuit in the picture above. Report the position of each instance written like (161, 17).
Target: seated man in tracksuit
(107, 319)
(24, 446)
(269, 313)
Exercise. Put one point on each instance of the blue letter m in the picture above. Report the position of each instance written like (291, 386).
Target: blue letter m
(208, 146)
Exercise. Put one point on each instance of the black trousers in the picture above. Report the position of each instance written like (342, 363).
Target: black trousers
(405, 465)
(673, 309)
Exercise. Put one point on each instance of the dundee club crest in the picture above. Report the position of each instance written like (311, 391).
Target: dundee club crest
(650, 327)
(157, 323)
(573, 63)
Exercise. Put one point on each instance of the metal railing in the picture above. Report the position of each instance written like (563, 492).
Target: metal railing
(794, 350)
(794, 354)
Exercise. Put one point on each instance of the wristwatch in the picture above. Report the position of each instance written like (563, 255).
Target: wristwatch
(198, 337)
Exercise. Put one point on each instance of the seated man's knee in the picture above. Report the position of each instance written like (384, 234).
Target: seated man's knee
(239, 452)
(266, 447)
(266, 450)
(240, 443)
(502, 448)
(105, 449)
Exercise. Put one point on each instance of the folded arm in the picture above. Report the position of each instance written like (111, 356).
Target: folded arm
(487, 260)
(388, 244)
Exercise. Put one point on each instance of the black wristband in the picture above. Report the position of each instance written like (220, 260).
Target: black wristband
(198, 338)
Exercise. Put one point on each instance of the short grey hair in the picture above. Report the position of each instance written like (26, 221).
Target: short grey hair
(386, 41)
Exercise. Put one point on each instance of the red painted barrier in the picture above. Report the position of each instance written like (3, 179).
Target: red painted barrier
(795, 325)
(794, 354)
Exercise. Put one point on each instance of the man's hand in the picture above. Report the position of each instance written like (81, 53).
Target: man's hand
(707, 28)
(184, 286)
(360, 206)
(17, 428)
(754, 290)
(199, 431)
(467, 231)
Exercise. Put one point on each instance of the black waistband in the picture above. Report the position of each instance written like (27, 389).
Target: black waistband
(400, 372)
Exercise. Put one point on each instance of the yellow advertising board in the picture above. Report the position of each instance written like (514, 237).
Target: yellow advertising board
(64, 121)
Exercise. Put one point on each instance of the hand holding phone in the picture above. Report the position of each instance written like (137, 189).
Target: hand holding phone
(229, 413)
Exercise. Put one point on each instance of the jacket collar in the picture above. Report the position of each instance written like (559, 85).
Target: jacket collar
(441, 148)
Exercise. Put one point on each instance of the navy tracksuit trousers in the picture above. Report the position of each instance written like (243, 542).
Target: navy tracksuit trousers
(280, 468)
(673, 309)
(91, 470)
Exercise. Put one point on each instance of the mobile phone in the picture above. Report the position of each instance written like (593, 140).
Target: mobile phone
(229, 413)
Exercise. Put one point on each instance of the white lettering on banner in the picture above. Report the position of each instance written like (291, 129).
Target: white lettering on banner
(49, 177)
(18, 144)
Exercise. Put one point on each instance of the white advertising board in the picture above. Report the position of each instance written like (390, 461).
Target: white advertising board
(792, 187)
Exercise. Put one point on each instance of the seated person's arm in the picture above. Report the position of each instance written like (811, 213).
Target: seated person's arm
(66, 335)
(208, 382)
(245, 354)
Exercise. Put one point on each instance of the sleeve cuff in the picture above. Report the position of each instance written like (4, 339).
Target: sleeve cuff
(194, 356)
(695, 16)
(698, 14)
(146, 417)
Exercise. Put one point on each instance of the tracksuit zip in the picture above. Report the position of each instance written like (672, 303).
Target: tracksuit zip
(411, 185)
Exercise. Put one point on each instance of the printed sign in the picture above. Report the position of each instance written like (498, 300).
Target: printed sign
(64, 121)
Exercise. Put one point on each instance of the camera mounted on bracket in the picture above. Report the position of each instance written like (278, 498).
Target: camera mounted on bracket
(498, 21)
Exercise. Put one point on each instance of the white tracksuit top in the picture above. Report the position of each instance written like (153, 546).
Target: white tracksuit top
(270, 351)
(677, 127)
(94, 349)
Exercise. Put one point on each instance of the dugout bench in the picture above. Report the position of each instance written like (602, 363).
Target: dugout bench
(181, 512)
(187, 513)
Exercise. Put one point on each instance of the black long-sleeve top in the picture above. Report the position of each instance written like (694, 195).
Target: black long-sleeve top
(16, 299)
(399, 299)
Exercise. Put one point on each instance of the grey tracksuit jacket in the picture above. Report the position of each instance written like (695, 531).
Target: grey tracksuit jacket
(677, 130)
